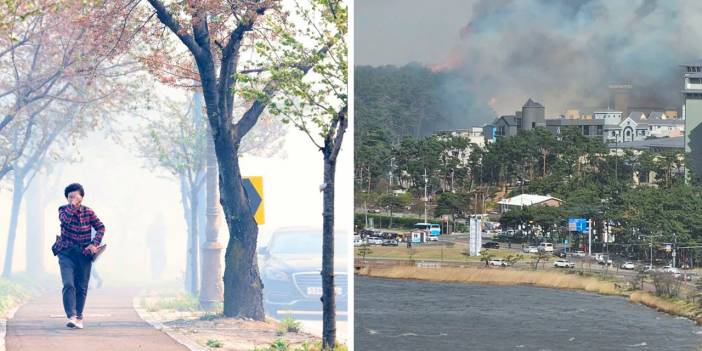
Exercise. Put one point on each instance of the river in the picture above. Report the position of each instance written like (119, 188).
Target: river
(417, 315)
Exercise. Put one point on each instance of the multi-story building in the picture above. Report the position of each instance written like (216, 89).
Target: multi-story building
(692, 114)
(612, 126)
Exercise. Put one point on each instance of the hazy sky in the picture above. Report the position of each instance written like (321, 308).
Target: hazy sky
(402, 31)
(561, 53)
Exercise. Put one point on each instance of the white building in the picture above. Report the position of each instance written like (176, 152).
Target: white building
(528, 200)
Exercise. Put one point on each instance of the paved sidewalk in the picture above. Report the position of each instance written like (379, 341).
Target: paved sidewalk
(110, 324)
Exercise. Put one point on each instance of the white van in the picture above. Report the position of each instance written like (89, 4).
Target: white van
(546, 247)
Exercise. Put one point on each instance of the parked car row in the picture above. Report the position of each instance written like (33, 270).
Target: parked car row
(358, 241)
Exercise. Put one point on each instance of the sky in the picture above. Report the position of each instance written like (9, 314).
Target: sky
(398, 32)
(563, 54)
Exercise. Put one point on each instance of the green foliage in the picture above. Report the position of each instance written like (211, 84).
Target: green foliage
(11, 294)
(308, 65)
(454, 204)
(513, 259)
(382, 221)
(281, 345)
(214, 343)
(539, 257)
(181, 302)
(177, 143)
(291, 325)
(364, 250)
(666, 284)
(486, 255)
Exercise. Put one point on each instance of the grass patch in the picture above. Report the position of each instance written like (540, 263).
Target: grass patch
(181, 302)
(291, 325)
(214, 343)
(282, 345)
(671, 306)
(11, 294)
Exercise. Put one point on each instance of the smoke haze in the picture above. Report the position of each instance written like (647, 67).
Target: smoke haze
(563, 54)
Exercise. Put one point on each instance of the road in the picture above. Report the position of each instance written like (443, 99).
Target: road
(110, 324)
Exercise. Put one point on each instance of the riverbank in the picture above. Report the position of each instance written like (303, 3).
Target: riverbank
(548, 279)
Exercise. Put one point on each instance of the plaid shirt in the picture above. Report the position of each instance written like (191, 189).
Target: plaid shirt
(75, 228)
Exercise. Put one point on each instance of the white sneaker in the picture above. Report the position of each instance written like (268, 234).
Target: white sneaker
(79, 324)
(72, 322)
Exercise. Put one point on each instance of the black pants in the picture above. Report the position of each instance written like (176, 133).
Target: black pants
(75, 275)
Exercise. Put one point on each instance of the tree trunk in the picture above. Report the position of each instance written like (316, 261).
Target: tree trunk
(184, 197)
(243, 295)
(328, 294)
(17, 192)
(34, 212)
(194, 248)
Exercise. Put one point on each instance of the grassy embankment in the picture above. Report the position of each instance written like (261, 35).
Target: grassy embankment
(427, 252)
(20, 288)
(547, 279)
(11, 295)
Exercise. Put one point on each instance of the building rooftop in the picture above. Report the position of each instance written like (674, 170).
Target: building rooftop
(527, 200)
(693, 63)
(532, 103)
(637, 115)
(510, 120)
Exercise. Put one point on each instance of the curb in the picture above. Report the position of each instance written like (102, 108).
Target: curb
(148, 317)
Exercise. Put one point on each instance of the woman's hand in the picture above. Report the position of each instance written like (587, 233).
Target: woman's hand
(90, 249)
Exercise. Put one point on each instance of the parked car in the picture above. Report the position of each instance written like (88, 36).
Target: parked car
(560, 253)
(670, 269)
(648, 268)
(433, 238)
(579, 253)
(563, 264)
(389, 242)
(375, 240)
(358, 241)
(498, 262)
(530, 249)
(605, 261)
(290, 266)
(689, 276)
(546, 247)
(628, 265)
(491, 245)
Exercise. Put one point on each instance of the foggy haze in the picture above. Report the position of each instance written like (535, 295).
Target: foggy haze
(134, 202)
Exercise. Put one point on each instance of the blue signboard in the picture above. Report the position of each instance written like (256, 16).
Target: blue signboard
(577, 225)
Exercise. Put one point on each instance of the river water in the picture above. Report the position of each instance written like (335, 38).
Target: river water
(416, 315)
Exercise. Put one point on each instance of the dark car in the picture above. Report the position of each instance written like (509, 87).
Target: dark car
(290, 270)
(491, 245)
(560, 253)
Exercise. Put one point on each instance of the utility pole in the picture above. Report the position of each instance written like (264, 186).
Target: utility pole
(589, 237)
(650, 245)
(390, 174)
(211, 288)
(425, 196)
(675, 247)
